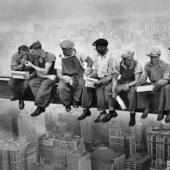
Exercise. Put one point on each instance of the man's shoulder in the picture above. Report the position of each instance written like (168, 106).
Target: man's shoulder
(15, 55)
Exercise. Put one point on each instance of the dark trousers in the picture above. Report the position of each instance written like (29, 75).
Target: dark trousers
(42, 89)
(129, 95)
(104, 97)
(164, 98)
(67, 93)
(18, 87)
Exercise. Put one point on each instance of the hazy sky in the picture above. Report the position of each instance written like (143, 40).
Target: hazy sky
(19, 10)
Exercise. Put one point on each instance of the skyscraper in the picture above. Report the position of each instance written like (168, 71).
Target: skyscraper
(78, 160)
(5, 126)
(158, 145)
(86, 129)
(31, 128)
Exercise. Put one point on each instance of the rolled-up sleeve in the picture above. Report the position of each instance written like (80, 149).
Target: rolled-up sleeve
(81, 55)
(58, 63)
(138, 68)
(144, 73)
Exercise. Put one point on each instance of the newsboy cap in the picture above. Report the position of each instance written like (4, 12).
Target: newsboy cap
(67, 44)
(101, 42)
(154, 51)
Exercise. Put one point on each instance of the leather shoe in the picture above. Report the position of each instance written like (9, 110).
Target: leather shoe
(167, 119)
(108, 117)
(21, 103)
(86, 112)
(101, 117)
(132, 121)
(68, 108)
(145, 113)
(160, 116)
(38, 111)
(75, 104)
(13, 98)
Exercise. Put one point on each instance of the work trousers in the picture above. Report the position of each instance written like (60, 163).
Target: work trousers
(129, 95)
(19, 87)
(42, 89)
(164, 98)
(67, 93)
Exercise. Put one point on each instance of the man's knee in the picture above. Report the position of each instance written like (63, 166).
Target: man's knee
(31, 83)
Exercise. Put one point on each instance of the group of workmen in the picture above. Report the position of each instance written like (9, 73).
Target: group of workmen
(115, 78)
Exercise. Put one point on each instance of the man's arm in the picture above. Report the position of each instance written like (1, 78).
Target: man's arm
(89, 62)
(137, 77)
(45, 70)
(15, 66)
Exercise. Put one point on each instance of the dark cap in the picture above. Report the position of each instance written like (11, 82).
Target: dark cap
(101, 42)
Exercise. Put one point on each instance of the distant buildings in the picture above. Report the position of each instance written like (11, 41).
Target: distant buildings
(5, 126)
(78, 160)
(138, 162)
(18, 155)
(104, 158)
(31, 128)
(158, 145)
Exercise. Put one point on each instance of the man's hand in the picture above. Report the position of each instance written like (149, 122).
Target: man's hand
(73, 82)
(88, 71)
(140, 82)
(114, 96)
(122, 87)
(52, 77)
(28, 64)
(157, 86)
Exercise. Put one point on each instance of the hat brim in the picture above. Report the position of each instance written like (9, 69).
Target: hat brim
(152, 55)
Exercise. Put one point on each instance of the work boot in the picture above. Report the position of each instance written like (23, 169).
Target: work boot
(13, 98)
(38, 111)
(68, 108)
(132, 121)
(21, 103)
(160, 116)
(75, 104)
(109, 116)
(86, 112)
(167, 119)
(145, 113)
(101, 116)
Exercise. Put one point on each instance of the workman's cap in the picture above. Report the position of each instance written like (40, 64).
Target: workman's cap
(154, 51)
(127, 54)
(101, 42)
(67, 44)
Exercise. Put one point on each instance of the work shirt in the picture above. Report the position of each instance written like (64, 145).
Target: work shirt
(16, 61)
(104, 65)
(47, 57)
(156, 73)
(80, 56)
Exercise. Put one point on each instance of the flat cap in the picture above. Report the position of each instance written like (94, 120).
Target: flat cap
(154, 51)
(67, 44)
(101, 42)
(127, 54)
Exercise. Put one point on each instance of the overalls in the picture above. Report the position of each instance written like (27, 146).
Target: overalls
(127, 76)
(71, 67)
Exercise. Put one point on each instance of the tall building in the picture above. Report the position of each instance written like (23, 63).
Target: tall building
(122, 143)
(78, 160)
(19, 155)
(138, 162)
(105, 158)
(71, 121)
(31, 128)
(5, 126)
(137, 130)
(86, 129)
(158, 145)
(56, 148)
